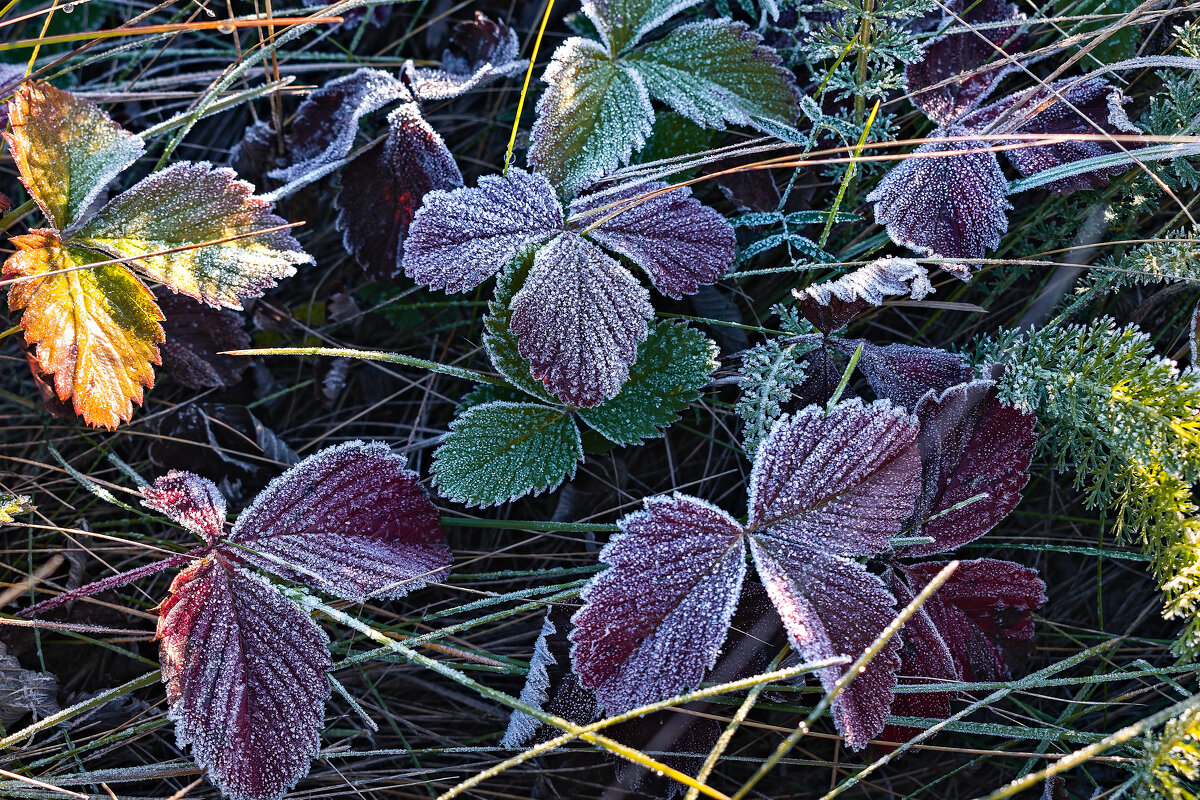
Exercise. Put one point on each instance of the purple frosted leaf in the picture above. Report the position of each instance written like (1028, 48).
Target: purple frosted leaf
(845, 481)
(952, 206)
(461, 238)
(831, 606)
(579, 319)
(481, 51)
(244, 670)
(680, 243)
(194, 502)
(382, 189)
(351, 520)
(1072, 105)
(971, 444)
(196, 335)
(653, 623)
(831, 305)
(326, 122)
(255, 153)
(981, 612)
(957, 61)
(903, 373)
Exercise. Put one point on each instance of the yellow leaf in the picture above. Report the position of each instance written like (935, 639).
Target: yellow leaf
(94, 329)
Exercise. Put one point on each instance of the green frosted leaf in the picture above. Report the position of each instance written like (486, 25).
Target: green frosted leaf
(716, 72)
(499, 451)
(622, 23)
(672, 368)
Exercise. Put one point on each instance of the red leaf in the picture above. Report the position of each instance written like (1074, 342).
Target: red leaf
(382, 189)
(970, 444)
(843, 482)
(831, 606)
(351, 520)
(245, 670)
(194, 502)
(831, 305)
(903, 373)
(654, 622)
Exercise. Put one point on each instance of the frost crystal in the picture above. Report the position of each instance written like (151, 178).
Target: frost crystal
(622, 23)
(536, 692)
(194, 502)
(831, 305)
(481, 51)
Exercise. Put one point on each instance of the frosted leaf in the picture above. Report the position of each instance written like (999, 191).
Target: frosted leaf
(481, 51)
(970, 444)
(351, 520)
(952, 206)
(327, 121)
(255, 153)
(716, 72)
(592, 116)
(579, 319)
(190, 205)
(769, 373)
(680, 243)
(22, 690)
(499, 451)
(461, 238)
(244, 670)
(843, 482)
(831, 305)
(501, 342)
(10, 76)
(831, 606)
(382, 189)
(622, 23)
(66, 150)
(672, 367)
(957, 61)
(1071, 105)
(196, 336)
(903, 373)
(190, 500)
(981, 612)
(653, 623)
(536, 692)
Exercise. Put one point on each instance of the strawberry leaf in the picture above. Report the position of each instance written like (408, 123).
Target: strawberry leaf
(66, 149)
(382, 189)
(244, 670)
(831, 305)
(971, 444)
(844, 482)
(499, 451)
(498, 338)
(351, 520)
(716, 72)
(194, 502)
(461, 238)
(680, 244)
(672, 367)
(593, 115)
(952, 206)
(579, 318)
(94, 329)
(622, 23)
(189, 207)
(831, 606)
(481, 51)
(654, 622)
(903, 373)
(196, 336)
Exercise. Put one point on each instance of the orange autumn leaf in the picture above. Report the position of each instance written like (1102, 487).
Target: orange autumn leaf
(94, 329)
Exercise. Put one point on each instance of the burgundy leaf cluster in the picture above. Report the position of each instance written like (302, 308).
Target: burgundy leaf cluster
(244, 666)
(949, 198)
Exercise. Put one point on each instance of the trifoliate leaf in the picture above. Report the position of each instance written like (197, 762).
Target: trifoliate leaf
(592, 116)
(497, 452)
(672, 367)
(952, 205)
(382, 189)
(245, 675)
(716, 72)
(481, 51)
(830, 606)
(94, 329)
(461, 238)
(351, 520)
(653, 623)
(680, 243)
(197, 334)
(185, 208)
(622, 23)
(845, 481)
(327, 121)
(194, 502)
(831, 305)
(66, 149)
(579, 318)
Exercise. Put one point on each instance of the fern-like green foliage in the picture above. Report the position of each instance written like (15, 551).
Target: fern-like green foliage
(770, 371)
(1127, 423)
(1170, 766)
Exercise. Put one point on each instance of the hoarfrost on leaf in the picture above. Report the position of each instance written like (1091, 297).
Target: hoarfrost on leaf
(481, 51)
(622, 23)
(831, 305)
(190, 500)
(903, 373)
(536, 692)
